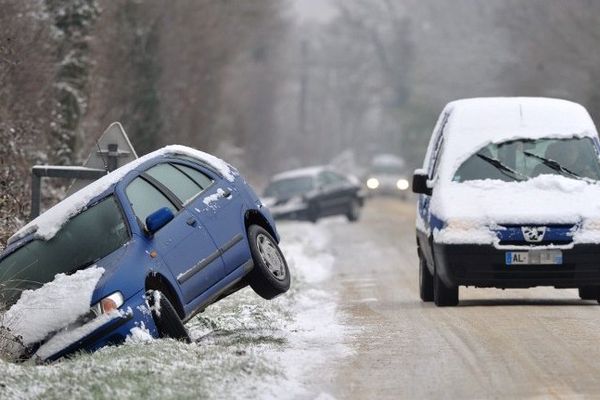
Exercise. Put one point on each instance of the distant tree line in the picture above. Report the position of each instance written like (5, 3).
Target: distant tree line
(194, 72)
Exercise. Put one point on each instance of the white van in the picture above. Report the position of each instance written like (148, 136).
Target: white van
(509, 198)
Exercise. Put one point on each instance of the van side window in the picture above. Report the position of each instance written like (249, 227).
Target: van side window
(438, 148)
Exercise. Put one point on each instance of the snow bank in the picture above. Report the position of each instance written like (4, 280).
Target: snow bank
(53, 306)
(139, 334)
(49, 223)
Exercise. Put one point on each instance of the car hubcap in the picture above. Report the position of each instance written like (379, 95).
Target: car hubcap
(270, 256)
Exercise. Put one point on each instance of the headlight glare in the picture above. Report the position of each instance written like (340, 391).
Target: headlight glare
(372, 183)
(402, 184)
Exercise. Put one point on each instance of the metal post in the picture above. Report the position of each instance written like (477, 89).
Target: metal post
(112, 156)
(36, 193)
(52, 171)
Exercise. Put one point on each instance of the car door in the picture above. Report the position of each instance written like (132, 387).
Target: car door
(220, 208)
(184, 244)
(333, 198)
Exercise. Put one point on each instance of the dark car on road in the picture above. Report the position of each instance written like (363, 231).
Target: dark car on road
(313, 193)
(169, 234)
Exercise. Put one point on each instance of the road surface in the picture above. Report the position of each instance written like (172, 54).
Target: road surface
(535, 343)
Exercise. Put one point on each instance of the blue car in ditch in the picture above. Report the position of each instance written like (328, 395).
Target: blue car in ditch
(171, 233)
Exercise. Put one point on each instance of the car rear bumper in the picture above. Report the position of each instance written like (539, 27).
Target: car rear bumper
(485, 266)
(96, 333)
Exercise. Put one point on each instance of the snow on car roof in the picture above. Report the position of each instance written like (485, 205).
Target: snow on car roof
(475, 123)
(49, 223)
(299, 173)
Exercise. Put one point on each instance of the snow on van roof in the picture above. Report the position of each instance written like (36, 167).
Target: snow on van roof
(475, 123)
(49, 223)
(299, 173)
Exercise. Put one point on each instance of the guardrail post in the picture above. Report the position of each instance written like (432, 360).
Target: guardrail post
(36, 194)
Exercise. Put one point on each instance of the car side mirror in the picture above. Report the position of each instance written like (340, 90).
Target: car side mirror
(158, 219)
(419, 184)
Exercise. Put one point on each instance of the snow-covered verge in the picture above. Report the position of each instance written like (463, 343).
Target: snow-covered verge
(245, 347)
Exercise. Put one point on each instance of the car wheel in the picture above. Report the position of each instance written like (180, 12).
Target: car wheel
(353, 211)
(313, 214)
(425, 281)
(444, 296)
(270, 276)
(166, 319)
(589, 293)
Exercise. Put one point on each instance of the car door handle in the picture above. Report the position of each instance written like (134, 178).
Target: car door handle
(226, 193)
(191, 221)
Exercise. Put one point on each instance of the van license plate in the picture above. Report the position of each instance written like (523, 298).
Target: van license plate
(534, 257)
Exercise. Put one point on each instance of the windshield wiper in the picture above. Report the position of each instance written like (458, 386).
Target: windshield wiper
(555, 165)
(503, 167)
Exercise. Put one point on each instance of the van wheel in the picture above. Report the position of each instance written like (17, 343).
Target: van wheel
(589, 293)
(425, 281)
(444, 296)
(270, 276)
(166, 319)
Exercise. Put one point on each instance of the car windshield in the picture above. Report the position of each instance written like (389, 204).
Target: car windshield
(285, 188)
(519, 160)
(84, 239)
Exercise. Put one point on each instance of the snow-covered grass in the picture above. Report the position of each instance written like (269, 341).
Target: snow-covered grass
(245, 347)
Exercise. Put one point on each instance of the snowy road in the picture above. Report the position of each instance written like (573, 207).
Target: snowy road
(537, 343)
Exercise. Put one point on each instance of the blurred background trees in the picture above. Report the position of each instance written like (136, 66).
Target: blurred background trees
(263, 88)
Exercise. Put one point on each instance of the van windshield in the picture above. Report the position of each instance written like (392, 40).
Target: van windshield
(84, 239)
(519, 160)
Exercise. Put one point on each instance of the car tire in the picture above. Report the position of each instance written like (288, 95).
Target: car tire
(589, 293)
(313, 214)
(270, 276)
(353, 213)
(167, 321)
(425, 281)
(444, 296)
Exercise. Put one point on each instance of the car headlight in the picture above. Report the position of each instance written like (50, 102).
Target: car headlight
(108, 304)
(402, 184)
(372, 183)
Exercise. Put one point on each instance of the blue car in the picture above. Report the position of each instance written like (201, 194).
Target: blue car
(508, 198)
(171, 233)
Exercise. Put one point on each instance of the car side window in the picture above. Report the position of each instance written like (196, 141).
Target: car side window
(324, 179)
(335, 178)
(146, 199)
(176, 181)
(200, 178)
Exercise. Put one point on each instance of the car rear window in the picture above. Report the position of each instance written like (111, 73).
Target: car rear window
(201, 179)
(146, 199)
(181, 185)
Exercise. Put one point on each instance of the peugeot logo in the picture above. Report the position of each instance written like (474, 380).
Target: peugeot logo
(533, 234)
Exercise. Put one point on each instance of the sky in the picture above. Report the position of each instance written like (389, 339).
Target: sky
(315, 10)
